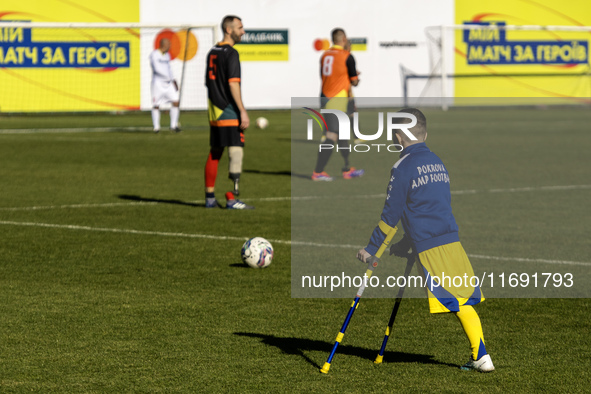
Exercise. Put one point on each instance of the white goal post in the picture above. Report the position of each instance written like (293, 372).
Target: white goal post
(71, 67)
(491, 59)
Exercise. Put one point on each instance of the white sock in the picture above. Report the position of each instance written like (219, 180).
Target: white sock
(156, 118)
(174, 117)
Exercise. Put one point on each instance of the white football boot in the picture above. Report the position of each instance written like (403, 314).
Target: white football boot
(485, 364)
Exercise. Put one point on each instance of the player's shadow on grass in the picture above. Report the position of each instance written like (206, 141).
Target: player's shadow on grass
(297, 346)
(158, 200)
(288, 173)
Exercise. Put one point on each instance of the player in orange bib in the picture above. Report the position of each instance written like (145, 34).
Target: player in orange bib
(338, 73)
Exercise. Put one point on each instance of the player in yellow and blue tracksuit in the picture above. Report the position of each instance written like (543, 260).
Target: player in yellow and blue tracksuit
(419, 196)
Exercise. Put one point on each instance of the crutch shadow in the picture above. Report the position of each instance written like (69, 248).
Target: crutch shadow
(131, 197)
(297, 346)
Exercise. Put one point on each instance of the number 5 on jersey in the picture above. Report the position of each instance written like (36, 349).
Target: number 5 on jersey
(213, 67)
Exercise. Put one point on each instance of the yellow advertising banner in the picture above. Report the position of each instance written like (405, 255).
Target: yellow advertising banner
(43, 69)
(358, 44)
(264, 45)
(512, 63)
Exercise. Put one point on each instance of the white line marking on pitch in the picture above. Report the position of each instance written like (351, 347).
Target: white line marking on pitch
(125, 231)
(296, 198)
(279, 241)
(527, 260)
(523, 189)
(74, 130)
(105, 205)
(533, 189)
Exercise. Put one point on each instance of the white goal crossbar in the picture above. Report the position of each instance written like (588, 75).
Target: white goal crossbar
(442, 63)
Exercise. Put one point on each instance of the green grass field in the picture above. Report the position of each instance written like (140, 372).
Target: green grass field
(115, 278)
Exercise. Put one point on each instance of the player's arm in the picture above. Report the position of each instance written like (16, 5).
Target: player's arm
(237, 96)
(156, 70)
(171, 76)
(235, 88)
(153, 64)
(393, 207)
(352, 71)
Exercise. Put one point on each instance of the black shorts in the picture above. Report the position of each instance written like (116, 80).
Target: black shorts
(225, 136)
(351, 107)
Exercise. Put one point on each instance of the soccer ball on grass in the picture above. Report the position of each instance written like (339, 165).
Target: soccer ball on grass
(262, 123)
(257, 252)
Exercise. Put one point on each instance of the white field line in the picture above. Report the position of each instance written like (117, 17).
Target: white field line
(542, 188)
(297, 198)
(523, 189)
(104, 205)
(528, 260)
(165, 234)
(454, 192)
(74, 130)
(279, 241)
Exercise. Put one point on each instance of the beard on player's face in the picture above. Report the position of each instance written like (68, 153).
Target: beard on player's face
(236, 35)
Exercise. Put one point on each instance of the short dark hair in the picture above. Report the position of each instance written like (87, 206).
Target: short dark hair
(337, 34)
(420, 129)
(227, 20)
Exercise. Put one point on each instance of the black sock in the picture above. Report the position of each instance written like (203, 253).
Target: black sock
(323, 156)
(209, 195)
(345, 149)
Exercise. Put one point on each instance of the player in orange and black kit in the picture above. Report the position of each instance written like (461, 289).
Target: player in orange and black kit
(227, 116)
(338, 73)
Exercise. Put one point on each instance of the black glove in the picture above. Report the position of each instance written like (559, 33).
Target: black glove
(402, 248)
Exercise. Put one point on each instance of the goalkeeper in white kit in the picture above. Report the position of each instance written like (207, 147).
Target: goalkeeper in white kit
(164, 87)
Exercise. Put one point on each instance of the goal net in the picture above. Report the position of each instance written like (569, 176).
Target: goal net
(69, 67)
(492, 60)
